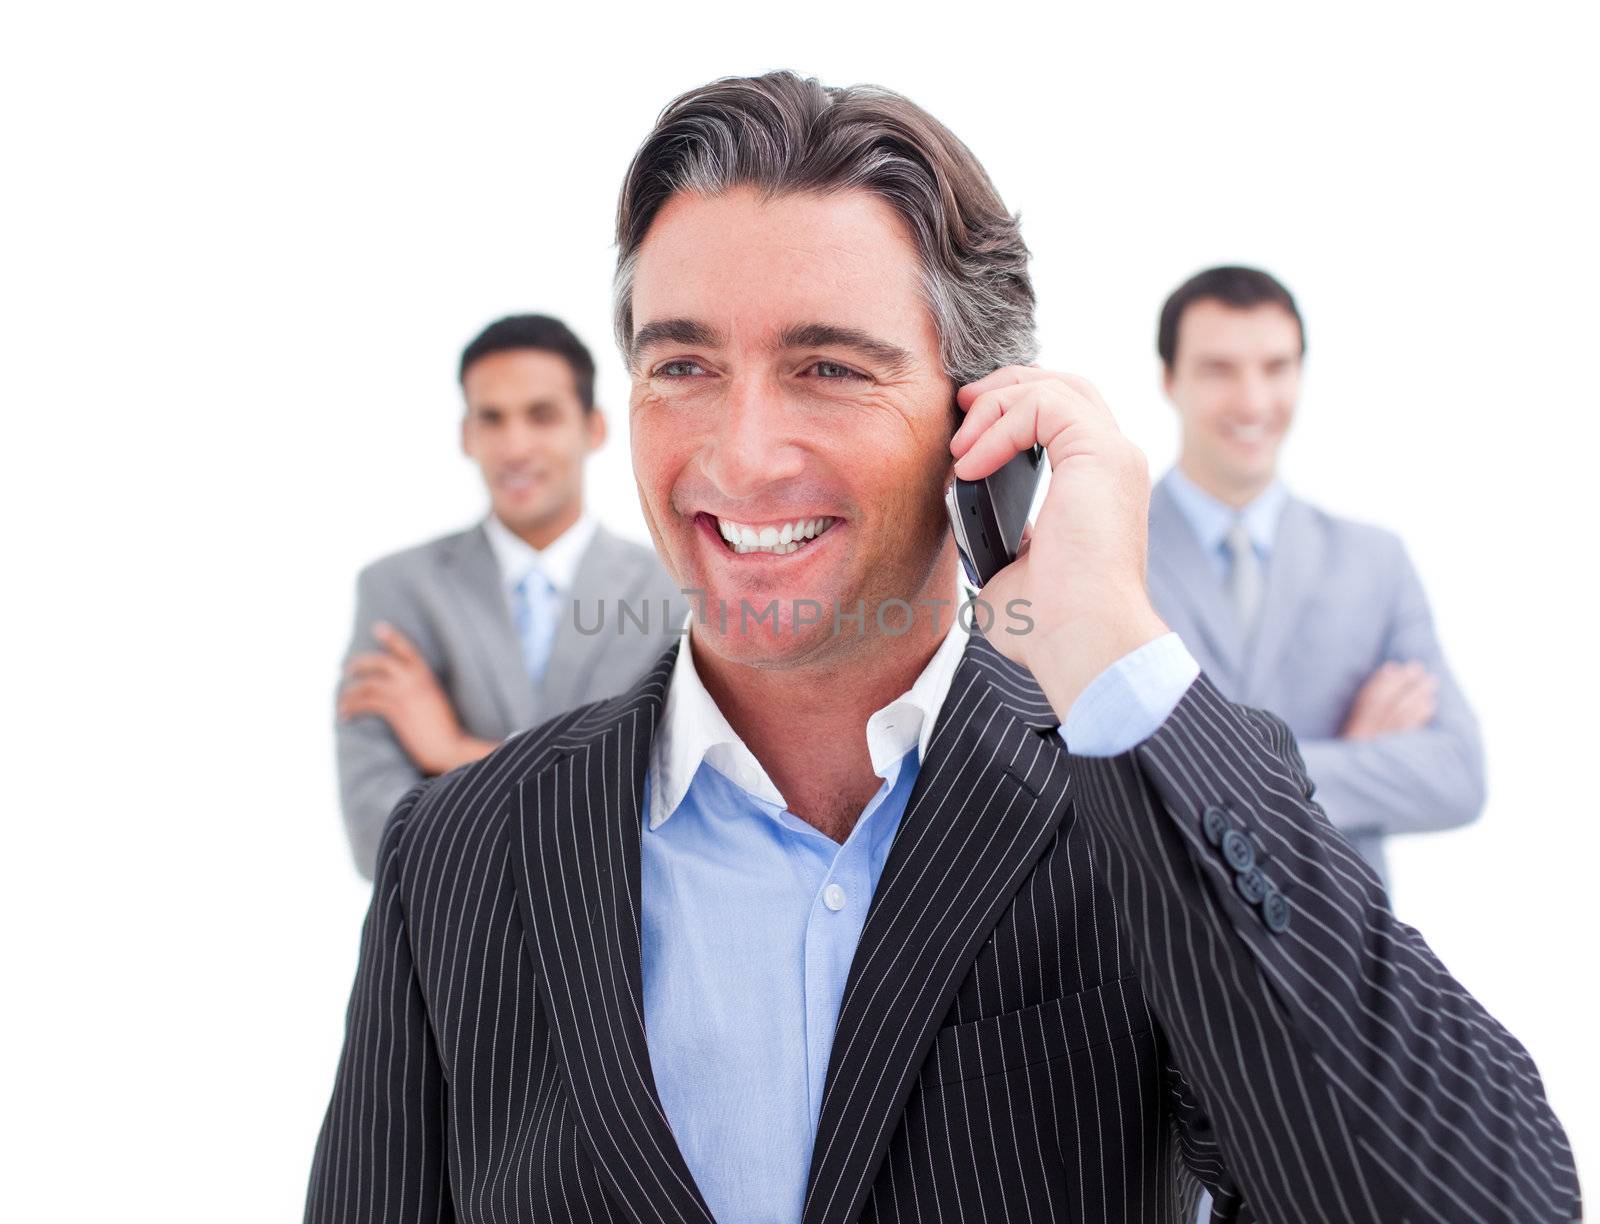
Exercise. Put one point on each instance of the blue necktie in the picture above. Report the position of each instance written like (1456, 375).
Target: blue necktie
(538, 612)
(1244, 575)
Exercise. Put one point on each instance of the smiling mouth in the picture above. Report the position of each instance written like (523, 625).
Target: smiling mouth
(777, 539)
(1248, 434)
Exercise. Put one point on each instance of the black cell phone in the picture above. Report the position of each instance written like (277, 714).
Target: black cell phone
(987, 516)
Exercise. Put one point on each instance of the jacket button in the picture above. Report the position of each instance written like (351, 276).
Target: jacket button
(1275, 911)
(1236, 848)
(1252, 885)
(1214, 821)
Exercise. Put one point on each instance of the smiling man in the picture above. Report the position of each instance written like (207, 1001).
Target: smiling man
(466, 639)
(1319, 619)
(855, 916)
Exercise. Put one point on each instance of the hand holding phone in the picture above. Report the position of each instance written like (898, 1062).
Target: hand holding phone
(988, 516)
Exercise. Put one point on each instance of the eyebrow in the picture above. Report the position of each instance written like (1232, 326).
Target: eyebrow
(673, 331)
(525, 406)
(892, 357)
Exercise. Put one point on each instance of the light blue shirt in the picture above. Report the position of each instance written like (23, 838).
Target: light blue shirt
(537, 582)
(1212, 519)
(751, 917)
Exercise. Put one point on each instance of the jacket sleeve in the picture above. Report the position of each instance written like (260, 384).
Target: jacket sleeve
(381, 1153)
(1412, 781)
(1342, 1073)
(374, 770)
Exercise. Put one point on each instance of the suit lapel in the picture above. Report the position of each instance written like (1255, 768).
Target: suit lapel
(1182, 577)
(598, 585)
(579, 887)
(1293, 573)
(473, 582)
(987, 801)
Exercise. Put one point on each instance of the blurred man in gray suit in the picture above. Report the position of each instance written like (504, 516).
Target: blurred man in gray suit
(464, 640)
(1320, 620)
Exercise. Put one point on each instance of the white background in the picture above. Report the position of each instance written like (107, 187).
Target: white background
(243, 247)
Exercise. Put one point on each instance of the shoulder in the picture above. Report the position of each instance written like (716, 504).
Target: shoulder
(396, 567)
(1363, 542)
(447, 820)
(638, 560)
(619, 550)
(1162, 506)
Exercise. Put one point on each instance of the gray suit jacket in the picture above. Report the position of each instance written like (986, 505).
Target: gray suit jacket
(447, 597)
(1341, 598)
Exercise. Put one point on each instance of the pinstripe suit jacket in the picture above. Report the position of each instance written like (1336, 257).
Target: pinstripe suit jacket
(1063, 1007)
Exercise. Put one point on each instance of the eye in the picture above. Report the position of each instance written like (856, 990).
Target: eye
(680, 368)
(833, 371)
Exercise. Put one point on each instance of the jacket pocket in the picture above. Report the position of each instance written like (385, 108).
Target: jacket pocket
(1039, 1033)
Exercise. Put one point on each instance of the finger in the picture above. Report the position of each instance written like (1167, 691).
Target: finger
(1052, 414)
(369, 666)
(983, 413)
(1399, 685)
(1417, 710)
(1382, 675)
(1414, 703)
(1010, 433)
(396, 641)
(362, 699)
(1005, 376)
(1379, 697)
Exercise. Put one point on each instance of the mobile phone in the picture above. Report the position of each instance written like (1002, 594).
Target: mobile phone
(987, 516)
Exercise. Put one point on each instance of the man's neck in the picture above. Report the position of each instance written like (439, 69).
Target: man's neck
(1234, 495)
(546, 531)
(806, 725)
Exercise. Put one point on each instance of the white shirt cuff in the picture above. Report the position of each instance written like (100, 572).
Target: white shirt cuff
(1127, 703)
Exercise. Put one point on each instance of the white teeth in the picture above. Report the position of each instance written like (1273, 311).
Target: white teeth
(777, 540)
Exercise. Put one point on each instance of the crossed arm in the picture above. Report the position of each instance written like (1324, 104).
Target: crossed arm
(1410, 759)
(395, 725)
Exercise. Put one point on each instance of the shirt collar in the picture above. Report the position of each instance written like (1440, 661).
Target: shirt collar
(693, 730)
(558, 561)
(1212, 519)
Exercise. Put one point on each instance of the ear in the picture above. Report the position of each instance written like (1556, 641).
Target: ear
(596, 426)
(465, 418)
(1166, 382)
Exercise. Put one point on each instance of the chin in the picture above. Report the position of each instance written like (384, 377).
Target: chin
(522, 515)
(763, 645)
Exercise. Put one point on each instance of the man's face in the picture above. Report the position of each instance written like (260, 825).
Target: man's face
(527, 431)
(787, 387)
(1235, 378)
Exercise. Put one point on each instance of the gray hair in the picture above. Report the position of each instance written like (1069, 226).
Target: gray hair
(782, 134)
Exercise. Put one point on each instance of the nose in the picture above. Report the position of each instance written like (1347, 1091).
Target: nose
(520, 439)
(753, 445)
(1255, 397)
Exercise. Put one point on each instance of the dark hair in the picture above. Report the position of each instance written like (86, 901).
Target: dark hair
(782, 133)
(540, 332)
(1233, 286)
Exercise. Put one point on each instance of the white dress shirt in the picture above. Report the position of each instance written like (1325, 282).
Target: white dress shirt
(558, 561)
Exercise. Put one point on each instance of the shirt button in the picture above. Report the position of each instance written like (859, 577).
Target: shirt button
(833, 897)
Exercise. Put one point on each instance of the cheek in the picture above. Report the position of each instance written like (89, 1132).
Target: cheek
(655, 465)
(1205, 417)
